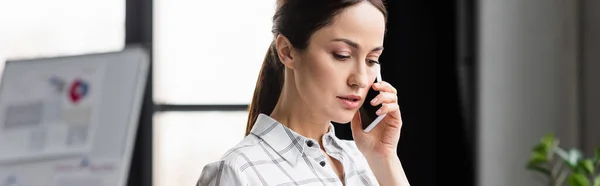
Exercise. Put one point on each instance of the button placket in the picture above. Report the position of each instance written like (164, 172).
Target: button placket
(310, 143)
(314, 150)
(311, 148)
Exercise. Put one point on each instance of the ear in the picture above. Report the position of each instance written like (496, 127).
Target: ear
(285, 51)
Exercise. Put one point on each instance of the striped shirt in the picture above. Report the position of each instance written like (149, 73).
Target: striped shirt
(273, 154)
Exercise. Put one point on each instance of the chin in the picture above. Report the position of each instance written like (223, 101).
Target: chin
(343, 117)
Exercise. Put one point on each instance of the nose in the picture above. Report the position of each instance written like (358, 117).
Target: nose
(358, 77)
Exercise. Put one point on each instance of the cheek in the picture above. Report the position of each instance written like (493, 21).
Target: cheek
(372, 75)
(318, 79)
(323, 72)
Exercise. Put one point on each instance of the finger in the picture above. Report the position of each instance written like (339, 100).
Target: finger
(385, 87)
(396, 115)
(393, 111)
(387, 108)
(384, 97)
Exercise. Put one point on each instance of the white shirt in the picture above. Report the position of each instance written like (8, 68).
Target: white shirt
(275, 155)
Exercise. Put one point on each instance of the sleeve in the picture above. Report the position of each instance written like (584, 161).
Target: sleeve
(221, 173)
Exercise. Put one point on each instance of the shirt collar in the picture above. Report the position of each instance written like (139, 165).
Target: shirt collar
(287, 143)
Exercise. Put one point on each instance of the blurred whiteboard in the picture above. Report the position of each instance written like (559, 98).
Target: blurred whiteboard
(70, 121)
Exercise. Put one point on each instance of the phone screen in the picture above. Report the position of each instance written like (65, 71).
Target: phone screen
(367, 111)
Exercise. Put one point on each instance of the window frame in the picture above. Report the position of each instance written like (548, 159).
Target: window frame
(139, 31)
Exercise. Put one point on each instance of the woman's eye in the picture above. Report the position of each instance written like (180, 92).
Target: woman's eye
(340, 57)
(372, 62)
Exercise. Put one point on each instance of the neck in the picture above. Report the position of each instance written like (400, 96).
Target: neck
(293, 113)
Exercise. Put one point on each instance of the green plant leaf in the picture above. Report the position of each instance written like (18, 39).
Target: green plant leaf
(547, 143)
(548, 140)
(538, 158)
(538, 168)
(577, 179)
(597, 158)
(540, 148)
(597, 181)
(587, 165)
(571, 158)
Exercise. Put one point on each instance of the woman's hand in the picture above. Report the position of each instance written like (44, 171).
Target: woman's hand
(381, 141)
(379, 145)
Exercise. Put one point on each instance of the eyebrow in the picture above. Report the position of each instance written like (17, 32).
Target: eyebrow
(355, 45)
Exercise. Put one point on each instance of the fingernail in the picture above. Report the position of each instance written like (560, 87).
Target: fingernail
(374, 101)
(378, 112)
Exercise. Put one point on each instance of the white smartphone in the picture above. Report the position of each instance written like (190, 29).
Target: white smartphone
(368, 116)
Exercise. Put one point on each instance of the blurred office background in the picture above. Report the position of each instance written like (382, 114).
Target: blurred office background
(480, 82)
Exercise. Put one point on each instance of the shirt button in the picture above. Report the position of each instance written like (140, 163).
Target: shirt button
(322, 163)
(309, 143)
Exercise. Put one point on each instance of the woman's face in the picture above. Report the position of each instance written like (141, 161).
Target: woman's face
(339, 65)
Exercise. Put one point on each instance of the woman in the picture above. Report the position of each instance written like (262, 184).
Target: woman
(321, 64)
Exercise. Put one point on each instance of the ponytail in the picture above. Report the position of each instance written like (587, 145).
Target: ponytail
(268, 87)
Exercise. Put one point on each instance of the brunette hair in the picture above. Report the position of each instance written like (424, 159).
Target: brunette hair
(297, 20)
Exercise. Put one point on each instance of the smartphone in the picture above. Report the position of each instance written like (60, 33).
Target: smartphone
(368, 116)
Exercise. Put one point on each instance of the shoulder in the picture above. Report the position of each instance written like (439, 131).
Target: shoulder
(244, 151)
(228, 170)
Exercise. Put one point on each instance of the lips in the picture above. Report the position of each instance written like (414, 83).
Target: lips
(350, 98)
(350, 101)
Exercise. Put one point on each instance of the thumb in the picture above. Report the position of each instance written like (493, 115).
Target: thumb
(356, 125)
